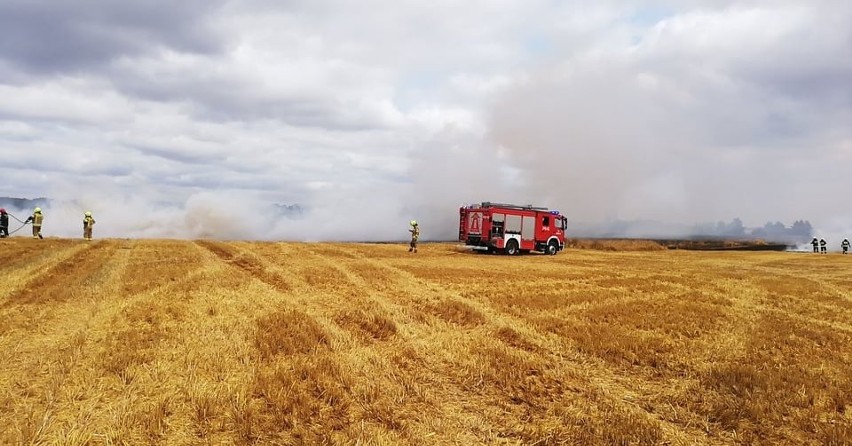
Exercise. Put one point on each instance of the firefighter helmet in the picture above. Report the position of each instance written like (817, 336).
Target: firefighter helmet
(413, 223)
(37, 210)
(88, 213)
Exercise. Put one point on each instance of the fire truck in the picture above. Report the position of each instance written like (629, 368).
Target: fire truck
(511, 228)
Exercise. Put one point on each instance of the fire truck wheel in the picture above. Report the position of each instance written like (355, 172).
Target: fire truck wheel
(512, 247)
(552, 247)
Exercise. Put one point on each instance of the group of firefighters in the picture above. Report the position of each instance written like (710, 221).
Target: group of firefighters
(37, 219)
(820, 245)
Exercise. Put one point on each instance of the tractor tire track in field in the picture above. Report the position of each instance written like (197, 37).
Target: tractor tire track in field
(41, 367)
(372, 315)
(31, 261)
(121, 326)
(465, 313)
(308, 272)
(150, 269)
(431, 297)
(250, 265)
(58, 288)
(19, 253)
(53, 283)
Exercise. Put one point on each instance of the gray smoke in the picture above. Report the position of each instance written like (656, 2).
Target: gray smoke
(680, 129)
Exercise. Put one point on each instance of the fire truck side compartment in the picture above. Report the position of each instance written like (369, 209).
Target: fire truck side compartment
(513, 224)
(498, 222)
(528, 231)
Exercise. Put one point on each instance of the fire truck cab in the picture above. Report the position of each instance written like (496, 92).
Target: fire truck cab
(511, 228)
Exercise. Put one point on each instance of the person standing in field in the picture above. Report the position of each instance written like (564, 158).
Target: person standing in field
(88, 223)
(822, 249)
(845, 246)
(4, 223)
(37, 219)
(815, 243)
(415, 234)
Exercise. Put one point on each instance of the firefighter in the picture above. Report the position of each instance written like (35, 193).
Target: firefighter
(88, 222)
(4, 223)
(415, 234)
(845, 246)
(37, 218)
(822, 244)
(815, 242)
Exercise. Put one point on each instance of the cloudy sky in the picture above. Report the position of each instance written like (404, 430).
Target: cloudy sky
(189, 118)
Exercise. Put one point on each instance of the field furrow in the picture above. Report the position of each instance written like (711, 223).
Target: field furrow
(58, 313)
(32, 259)
(189, 342)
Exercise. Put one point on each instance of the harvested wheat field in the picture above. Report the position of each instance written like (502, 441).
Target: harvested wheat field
(206, 342)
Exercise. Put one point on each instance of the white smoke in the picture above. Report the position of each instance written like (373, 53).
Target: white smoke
(834, 230)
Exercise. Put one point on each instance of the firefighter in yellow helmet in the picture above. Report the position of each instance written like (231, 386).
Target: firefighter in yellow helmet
(37, 218)
(88, 222)
(415, 234)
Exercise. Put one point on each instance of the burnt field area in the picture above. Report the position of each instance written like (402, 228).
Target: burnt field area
(213, 342)
(697, 244)
(725, 245)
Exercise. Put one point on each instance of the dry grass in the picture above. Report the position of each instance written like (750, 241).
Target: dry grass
(615, 244)
(173, 342)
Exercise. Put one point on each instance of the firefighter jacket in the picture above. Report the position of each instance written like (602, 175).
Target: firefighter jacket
(88, 222)
(415, 233)
(36, 218)
(845, 243)
(4, 220)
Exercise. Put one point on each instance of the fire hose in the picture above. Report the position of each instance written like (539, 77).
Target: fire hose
(23, 223)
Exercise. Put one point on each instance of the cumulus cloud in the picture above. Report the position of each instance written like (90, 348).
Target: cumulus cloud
(195, 119)
(48, 38)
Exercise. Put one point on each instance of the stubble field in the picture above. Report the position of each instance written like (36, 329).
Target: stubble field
(207, 342)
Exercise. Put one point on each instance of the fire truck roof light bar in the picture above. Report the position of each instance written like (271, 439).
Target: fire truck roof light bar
(529, 207)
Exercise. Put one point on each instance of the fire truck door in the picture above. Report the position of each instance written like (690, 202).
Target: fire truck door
(528, 228)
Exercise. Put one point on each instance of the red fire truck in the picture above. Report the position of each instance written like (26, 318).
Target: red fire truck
(511, 228)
